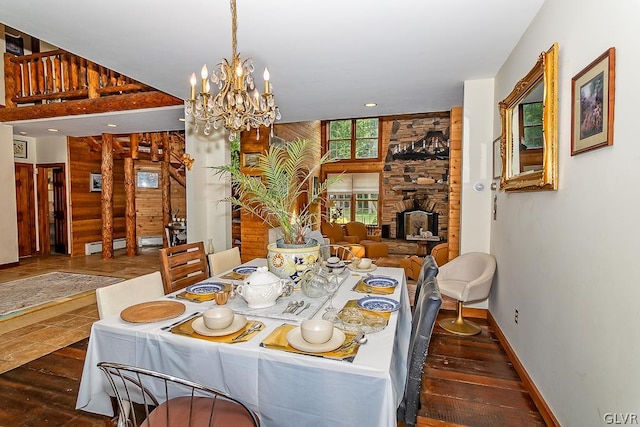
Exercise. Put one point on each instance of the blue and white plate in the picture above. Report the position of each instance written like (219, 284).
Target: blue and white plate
(380, 282)
(246, 269)
(380, 304)
(205, 288)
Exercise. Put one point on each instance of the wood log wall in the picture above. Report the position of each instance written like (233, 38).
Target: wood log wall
(85, 210)
(86, 206)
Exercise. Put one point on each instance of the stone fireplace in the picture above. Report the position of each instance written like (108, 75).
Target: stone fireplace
(415, 184)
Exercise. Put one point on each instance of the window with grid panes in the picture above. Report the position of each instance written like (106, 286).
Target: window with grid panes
(353, 139)
(354, 198)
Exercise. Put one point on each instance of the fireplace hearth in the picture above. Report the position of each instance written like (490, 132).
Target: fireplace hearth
(412, 222)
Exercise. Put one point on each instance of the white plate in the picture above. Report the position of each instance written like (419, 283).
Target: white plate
(246, 269)
(238, 323)
(294, 338)
(380, 282)
(205, 288)
(380, 304)
(362, 270)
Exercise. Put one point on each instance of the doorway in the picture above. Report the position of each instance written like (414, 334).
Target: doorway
(25, 211)
(52, 208)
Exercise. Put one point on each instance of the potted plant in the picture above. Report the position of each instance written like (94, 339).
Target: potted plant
(274, 195)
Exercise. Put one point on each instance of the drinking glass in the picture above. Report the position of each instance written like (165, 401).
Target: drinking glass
(331, 286)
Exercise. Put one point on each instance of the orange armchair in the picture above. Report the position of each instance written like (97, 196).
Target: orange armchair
(335, 233)
(374, 247)
(358, 229)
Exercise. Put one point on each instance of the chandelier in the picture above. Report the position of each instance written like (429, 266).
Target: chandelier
(238, 105)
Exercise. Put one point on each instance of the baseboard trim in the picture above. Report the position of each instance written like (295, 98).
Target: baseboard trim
(478, 313)
(527, 382)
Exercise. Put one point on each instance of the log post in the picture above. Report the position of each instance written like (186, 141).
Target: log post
(133, 145)
(93, 81)
(165, 181)
(9, 80)
(154, 147)
(107, 196)
(130, 206)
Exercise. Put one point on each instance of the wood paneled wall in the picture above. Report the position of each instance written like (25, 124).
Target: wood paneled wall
(86, 206)
(455, 181)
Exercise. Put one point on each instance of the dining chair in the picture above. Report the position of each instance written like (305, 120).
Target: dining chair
(183, 265)
(219, 262)
(467, 277)
(424, 318)
(428, 269)
(342, 252)
(154, 399)
(114, 298)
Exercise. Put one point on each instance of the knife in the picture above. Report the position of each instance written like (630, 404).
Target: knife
(180, 322)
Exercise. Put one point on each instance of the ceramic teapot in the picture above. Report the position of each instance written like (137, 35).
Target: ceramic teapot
(262, 288)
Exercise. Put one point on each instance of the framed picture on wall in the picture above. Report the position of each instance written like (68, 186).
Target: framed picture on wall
(147, 180)
(250, 160)
(592, 99)
(19, 149)
(95, 182)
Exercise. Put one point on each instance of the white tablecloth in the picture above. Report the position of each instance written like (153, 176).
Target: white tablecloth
(285, 389)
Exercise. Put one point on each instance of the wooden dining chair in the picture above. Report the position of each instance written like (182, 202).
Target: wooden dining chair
(219, 262)
(153, 399)
(424, 318)
(183, 265)
(114, 298)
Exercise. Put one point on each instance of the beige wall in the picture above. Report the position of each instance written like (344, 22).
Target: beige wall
(568, 259)
(8, 219)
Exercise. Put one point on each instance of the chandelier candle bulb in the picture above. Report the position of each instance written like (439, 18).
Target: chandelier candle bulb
(266, 81)
(204, 74)
(193, 86)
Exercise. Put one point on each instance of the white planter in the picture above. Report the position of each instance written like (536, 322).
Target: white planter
(291, 262)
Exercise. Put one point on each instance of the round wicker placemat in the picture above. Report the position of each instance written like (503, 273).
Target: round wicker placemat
(153, 311)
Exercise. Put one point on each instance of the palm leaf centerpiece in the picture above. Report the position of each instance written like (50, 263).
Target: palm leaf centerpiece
(275, 194)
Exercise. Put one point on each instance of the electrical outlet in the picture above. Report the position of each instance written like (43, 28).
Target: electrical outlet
(515, 318)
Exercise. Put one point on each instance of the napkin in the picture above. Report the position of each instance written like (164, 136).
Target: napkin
(277, 340)
(187, 330)
(366, 289)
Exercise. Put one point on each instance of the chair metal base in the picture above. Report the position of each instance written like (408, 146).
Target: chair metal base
(459, 325)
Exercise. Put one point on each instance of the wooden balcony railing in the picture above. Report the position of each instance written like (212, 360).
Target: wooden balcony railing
(58, 75)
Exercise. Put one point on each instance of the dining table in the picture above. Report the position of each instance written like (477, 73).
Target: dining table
(285, 388)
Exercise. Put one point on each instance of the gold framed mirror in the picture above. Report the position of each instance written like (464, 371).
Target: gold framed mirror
(529, 138)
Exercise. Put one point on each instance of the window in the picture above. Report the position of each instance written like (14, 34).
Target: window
(353, 139)
(354, 198)
(531, 125)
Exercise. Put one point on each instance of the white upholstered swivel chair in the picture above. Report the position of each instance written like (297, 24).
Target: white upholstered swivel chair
(114, 298)
(466, 278)
(219, 262)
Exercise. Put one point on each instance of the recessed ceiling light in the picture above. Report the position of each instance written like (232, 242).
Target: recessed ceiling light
(52, 130)
(23, 133)
(370, 104)
(111, 125)
(181, 119)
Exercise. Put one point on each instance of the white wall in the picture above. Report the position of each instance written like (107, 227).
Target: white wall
(8, 217)
(567, 260)
(206, 218)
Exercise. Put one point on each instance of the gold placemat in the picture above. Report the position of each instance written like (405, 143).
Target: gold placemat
(195, 297)
(277, 340)
(366, 289)
(152, 311)
(232, 275)
(354, 304)
(186, 329)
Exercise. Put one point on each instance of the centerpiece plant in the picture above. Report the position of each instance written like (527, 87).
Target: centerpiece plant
(275, 193)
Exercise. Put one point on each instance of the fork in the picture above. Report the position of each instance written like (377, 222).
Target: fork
(289, 306)
(253, 328)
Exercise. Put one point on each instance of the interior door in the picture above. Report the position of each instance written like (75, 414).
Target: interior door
(60, 210)
(25, 207)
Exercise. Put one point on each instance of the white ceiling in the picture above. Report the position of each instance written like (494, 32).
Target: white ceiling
(326, 58)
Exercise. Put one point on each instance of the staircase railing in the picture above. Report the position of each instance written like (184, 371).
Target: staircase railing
(57, 76)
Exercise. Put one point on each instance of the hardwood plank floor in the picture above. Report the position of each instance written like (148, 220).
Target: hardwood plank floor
(468, 381)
